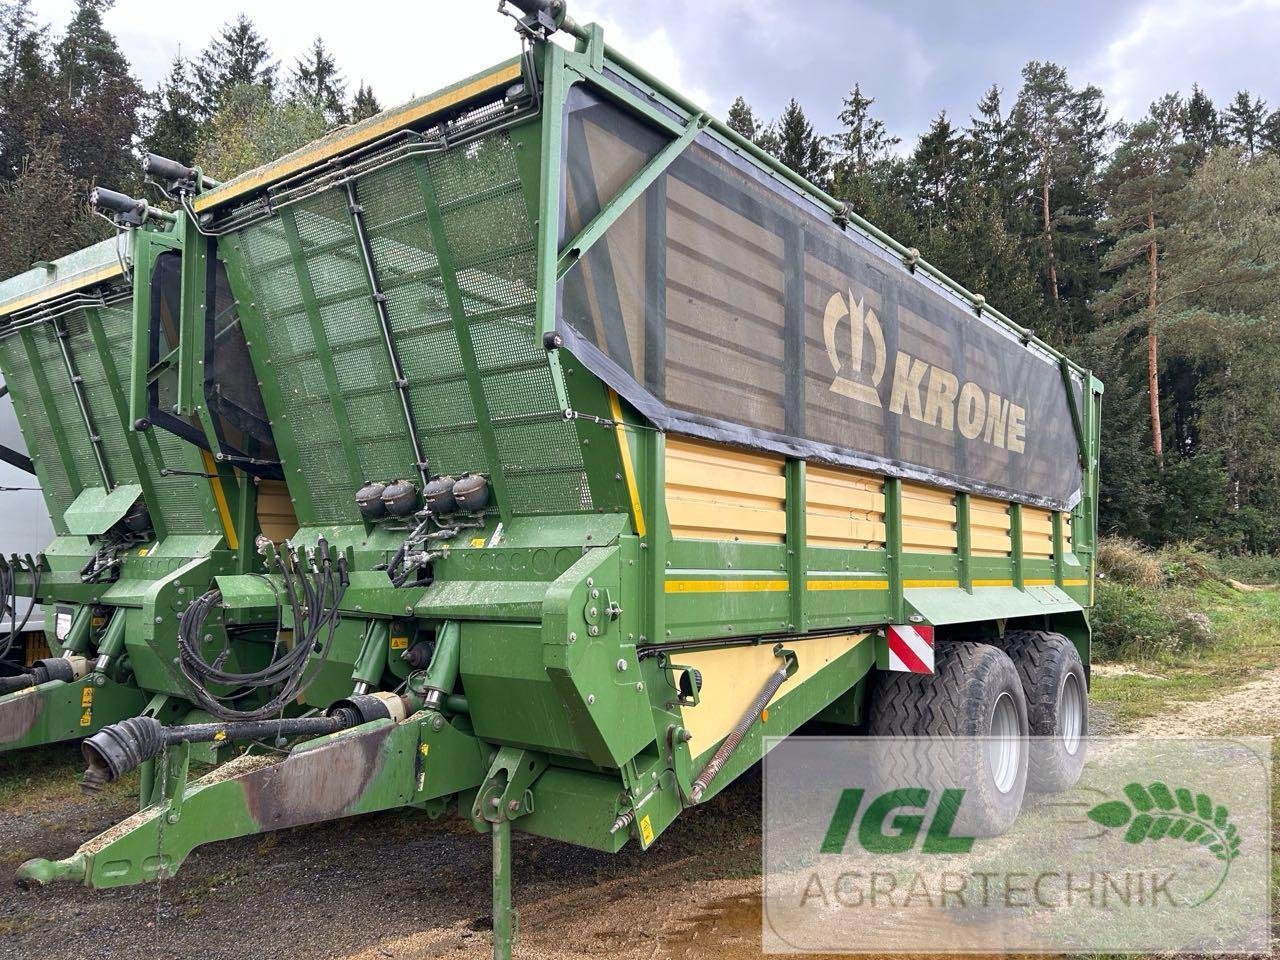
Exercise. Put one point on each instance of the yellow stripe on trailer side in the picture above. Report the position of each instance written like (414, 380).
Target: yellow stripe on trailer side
(726, 586)
(70, 285)
(628, 468)
(848, 585)
(220, 497)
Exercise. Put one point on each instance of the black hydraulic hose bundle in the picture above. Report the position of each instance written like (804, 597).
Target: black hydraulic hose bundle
(314, 584)
(9, 601)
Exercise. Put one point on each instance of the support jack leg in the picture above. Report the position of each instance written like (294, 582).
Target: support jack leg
(505, 919)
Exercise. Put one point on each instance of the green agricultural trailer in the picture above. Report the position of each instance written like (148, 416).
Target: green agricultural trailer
(147, 507)
(640, 449)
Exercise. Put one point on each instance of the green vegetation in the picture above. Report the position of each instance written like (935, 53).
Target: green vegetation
(1178, 624)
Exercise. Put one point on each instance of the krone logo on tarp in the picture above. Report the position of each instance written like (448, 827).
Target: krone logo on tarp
(920, 390)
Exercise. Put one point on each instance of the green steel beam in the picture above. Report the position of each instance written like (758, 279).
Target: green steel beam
(196, 251)
(555, 88)
(1015, 535)
(893, 546)
(1076, 423)
(964, 541)
(628, 195)
(797, 545)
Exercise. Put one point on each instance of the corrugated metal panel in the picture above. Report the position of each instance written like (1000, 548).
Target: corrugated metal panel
(719, 493)
(491, 251)
(844, 508)
(1037, 533)
(928, 519)
(989, 525)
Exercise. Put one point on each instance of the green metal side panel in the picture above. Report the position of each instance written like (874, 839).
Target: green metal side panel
(96, 511)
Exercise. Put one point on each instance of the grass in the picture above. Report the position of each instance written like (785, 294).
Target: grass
(1177, 627)
(46, 777)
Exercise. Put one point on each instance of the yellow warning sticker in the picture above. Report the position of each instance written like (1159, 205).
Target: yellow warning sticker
(399, 643)
(424, 749)
(86, 702)
(143, 552)
(478, 542)
(220, 736)
(646, 830)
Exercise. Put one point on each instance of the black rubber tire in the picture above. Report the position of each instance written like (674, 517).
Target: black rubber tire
(957, 701)
(1047, 662)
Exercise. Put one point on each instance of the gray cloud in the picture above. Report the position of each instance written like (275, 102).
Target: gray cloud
(916, 59)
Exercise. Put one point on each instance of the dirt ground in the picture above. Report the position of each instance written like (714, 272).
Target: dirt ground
(401, 886)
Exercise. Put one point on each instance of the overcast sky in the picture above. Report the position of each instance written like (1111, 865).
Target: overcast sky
(915, 59)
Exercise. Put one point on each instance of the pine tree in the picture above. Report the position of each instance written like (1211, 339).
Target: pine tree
(317, 82)
(864, 140)
(238, 55)
(792, 140)
(993, 156)
(364, 105)
(938, 165)
(1065, 131)
(174, 127)
(742, 120)
(27, 87)
(43, 214)
(1271, 132)
(1144, 175)
(1243, 119)
(98, 101)
(980, 251)
(1202, 128)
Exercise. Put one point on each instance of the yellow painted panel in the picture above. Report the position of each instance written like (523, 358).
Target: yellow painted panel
(700, 476)
(732, 677)
(715, 492)
(989, 524)
(730, 520)
(725, 586)
(928, 519)
(1037, 533)
(276, 518)
(844, 508)
(1066, 532)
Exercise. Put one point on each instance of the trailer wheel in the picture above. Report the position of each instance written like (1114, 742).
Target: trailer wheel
(1057, 706)
(974, 694)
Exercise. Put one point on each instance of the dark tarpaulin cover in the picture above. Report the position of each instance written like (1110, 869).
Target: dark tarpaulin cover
(725, 305)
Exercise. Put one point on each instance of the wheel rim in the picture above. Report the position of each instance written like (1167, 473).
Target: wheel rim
(1004, 749)
(1071, 714)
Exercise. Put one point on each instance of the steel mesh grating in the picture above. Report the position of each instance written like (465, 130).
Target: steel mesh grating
(490, 240)
(37, 428)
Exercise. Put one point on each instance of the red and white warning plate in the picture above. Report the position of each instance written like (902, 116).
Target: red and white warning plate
(910, 648)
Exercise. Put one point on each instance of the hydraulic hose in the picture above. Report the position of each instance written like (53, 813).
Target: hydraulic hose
(314, 598)
(9, 600)
(721, 756)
